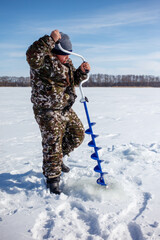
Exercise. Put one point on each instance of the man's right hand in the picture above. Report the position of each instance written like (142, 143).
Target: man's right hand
(56, 35)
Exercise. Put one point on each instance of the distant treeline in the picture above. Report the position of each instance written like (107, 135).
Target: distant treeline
(14, 81)
(95, 80)
(105, 80)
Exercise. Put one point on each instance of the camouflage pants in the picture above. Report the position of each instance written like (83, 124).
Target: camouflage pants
(60, 135)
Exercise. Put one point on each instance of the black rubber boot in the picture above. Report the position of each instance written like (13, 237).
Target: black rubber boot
(53, 185)
(65, 168)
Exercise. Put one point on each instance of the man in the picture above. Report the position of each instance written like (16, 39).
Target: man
(53, 81)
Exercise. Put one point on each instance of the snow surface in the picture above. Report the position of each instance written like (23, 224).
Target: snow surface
(129, 134)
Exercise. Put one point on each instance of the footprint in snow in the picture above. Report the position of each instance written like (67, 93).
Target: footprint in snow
(135, 231)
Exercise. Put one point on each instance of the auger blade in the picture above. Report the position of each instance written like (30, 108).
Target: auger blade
(101, 181)
(88, 131)
(91, 144)
(94, 156)
(97, 169)
(95, 135)
(103, 173)
(99, 161)
(98, 148)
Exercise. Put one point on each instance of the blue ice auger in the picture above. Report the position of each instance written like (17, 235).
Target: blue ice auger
(89, 131)
(92, 143)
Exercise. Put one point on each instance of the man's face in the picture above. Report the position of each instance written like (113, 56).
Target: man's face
(63, 58)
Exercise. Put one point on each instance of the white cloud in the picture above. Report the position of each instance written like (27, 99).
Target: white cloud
(17, 67)
(147, 67)
(154, 55)
(96, 22)
(16, 54)
(10, 46)
(146, 64)
(122, 56)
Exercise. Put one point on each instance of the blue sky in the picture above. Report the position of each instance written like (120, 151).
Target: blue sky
(114, 36)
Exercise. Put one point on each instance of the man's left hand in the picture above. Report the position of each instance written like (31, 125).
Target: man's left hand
(85, 66)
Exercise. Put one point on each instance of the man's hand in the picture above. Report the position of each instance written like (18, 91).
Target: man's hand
(56, 35)
(85, 66)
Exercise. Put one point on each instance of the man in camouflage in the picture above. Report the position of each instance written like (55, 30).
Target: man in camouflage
(53, 81)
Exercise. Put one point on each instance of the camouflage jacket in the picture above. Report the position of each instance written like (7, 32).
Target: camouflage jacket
(52, 82)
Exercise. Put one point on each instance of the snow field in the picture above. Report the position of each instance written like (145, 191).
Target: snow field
(129, 134)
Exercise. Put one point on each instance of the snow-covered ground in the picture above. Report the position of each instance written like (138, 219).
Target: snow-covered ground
(128, 124)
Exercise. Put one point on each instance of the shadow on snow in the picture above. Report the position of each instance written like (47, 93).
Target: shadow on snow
(14, 183)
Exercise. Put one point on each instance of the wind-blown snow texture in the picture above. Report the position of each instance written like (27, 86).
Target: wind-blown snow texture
(128, 125)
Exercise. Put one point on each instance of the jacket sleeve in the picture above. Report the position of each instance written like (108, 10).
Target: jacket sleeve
(79, 76)
(38, 50)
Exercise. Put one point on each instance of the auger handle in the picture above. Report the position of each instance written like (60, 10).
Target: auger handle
(83, 99)
(63, 50)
